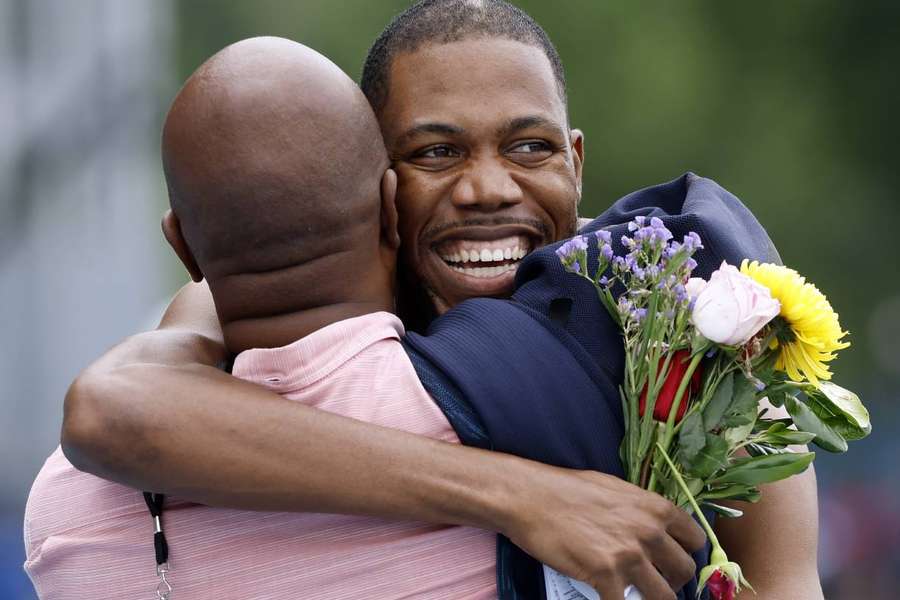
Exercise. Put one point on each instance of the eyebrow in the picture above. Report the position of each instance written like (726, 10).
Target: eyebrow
(528, 122)
(439, 128)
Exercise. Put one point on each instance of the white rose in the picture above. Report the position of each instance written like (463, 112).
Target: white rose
(694, 286)
(731, 308)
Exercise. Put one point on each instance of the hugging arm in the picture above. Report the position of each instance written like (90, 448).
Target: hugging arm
(155, 413)
(776, 539)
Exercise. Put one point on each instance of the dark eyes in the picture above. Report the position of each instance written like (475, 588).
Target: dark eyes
(439, 152)
(443, 156)
(531, 151)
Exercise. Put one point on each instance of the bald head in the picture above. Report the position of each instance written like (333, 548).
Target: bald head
(273, 158)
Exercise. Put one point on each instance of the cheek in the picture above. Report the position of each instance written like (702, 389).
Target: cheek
(418, 203)
(557, 196)
(415, 207)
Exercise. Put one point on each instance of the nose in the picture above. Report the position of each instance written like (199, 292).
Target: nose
(486, 186)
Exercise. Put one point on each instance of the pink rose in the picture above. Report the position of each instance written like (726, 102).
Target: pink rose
(731, 308)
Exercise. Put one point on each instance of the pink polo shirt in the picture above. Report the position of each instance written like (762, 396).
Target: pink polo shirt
(89, 538)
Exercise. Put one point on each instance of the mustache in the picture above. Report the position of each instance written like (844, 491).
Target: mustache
(488, 222)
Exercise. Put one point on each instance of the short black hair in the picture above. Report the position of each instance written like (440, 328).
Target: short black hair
(445, 21)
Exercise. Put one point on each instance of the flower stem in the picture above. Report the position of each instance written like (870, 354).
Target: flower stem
(684, 488)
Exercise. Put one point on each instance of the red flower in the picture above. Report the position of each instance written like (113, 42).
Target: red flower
(678, 366)
(720, 586)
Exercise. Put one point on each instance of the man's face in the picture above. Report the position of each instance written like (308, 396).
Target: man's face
(487, 167)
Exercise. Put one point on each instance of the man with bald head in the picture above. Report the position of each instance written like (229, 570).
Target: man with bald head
(282, 200)
(275, 168)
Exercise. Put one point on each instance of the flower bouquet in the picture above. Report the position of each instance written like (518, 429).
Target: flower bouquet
(701, 359)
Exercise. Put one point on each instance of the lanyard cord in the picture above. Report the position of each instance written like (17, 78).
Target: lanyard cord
(160, 546)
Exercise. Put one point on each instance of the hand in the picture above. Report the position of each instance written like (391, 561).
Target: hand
(604, 531)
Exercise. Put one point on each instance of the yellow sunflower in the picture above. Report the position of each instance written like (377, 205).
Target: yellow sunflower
(813, 333)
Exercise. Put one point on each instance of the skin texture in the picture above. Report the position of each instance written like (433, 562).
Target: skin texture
(505, 165)
(154, 413)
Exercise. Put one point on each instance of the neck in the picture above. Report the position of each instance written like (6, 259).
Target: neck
(281, 330)
(274, 308)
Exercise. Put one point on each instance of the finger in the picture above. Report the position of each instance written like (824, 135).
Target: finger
(673, 563)
(649, 582)
(686, 531)
(610, 587)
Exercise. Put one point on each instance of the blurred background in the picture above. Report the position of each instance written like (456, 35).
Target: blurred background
(791, 106)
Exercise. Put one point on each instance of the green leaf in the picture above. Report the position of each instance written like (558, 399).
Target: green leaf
(788, 438)
(736, 435)
(846, 430)
(776, 398)
(744, 405)
(718, 404)
(776, 433)
(691, 438)
(846, 404)
(764, 469)
(709, 459)
(745, 493)
(807, 420)
(725, 511)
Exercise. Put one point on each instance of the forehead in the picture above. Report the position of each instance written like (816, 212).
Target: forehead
(471, 83)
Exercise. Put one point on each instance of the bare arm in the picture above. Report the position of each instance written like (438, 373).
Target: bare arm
(776, 540)
(154, 413)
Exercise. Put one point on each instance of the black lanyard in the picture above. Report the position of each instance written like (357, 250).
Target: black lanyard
(160, 546)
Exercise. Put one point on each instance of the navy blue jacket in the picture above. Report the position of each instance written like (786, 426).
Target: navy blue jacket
(538, 375)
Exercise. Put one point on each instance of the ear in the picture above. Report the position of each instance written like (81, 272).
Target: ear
(172, 230)
(578, 156)
(389, 233)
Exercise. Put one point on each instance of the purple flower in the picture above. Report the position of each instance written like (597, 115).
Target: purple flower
(604, 280)
(606, 252)
(639, 314)
(628, 242)
(690, 264)
(570, 249)
(692, 241)
(653, 271)
(661, 234)
(604, 236)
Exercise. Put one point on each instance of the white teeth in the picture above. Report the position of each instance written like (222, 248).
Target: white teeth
(485, 255)
(485, 272)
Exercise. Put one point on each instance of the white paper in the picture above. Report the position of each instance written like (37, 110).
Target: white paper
(560, 587)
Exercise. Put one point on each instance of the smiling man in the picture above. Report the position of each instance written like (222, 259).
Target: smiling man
(470, 97)
(488, 166)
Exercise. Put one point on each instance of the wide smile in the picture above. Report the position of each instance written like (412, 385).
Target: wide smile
(482, 262)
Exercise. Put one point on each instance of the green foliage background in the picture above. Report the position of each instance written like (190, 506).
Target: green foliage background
(789, 105)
